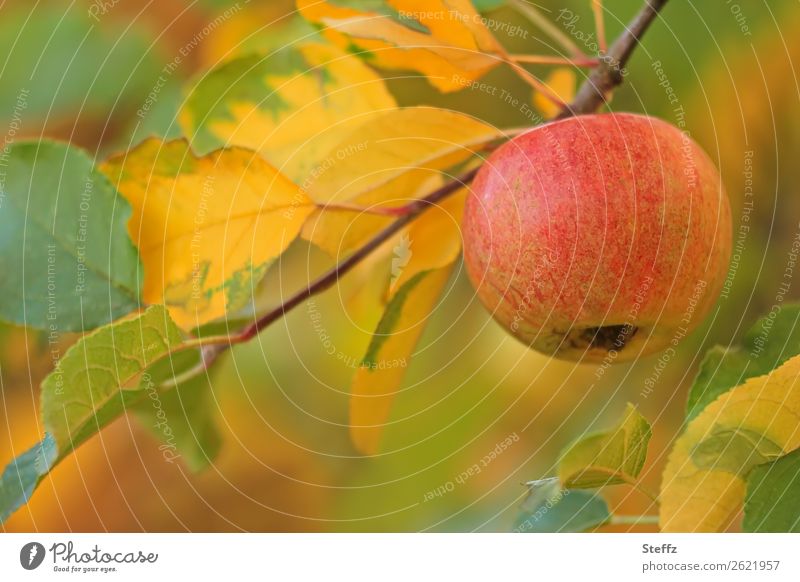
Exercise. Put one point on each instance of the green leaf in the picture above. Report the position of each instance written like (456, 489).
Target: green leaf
(22, 476)
(772, 503)
(389, 320)
(91, 383)
(551, 509)
(66, 260)
(95, 382)
(768, 344)
(704, 481)
(183, 418)
(607, 458)
(378, 378)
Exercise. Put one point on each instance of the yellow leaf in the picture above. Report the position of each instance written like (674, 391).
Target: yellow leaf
(292, 106)
(389, 162)
(704, 481)
(420, 267)
(392, 160)
(338, 232)
(445, 40)
(378, 380)
(395, 142)
(207, 227)
(431, 242)
(400, 161)
(562, 83)
(363, 292)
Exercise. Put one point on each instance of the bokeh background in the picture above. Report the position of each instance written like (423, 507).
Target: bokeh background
(286, 463)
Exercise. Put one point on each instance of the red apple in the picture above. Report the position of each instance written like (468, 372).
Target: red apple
(599, 236)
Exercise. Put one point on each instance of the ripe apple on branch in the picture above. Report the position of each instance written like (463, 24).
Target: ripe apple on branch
(593, 234)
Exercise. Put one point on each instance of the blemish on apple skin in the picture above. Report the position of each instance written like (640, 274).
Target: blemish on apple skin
(607, 337)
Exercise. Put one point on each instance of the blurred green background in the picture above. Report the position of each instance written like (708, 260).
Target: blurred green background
(84, 69)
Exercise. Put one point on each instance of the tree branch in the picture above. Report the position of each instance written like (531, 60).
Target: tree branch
(414, 209)
(216, 346)
(592, 95)
(608, 75)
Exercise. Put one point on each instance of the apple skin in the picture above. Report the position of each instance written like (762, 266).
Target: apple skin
(598, 238)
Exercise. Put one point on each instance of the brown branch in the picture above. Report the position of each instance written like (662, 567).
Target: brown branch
(592, 95)
(413, 211)
(608, 75)
(327, 280)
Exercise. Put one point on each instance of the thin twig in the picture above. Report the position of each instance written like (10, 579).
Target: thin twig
(583, 62)
(536, 83)
(645, 491)
(212, 350)
(332, 276)
(540, 20)
(608, 75)
(634, 520)
(600, 24)
(372, 210)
